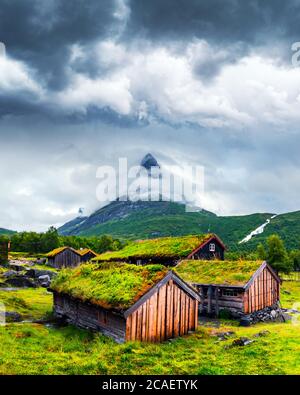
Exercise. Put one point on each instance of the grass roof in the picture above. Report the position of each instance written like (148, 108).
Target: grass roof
(110, 285)
(236, 273)
(56, 251)
(164, 247)
(85, 251)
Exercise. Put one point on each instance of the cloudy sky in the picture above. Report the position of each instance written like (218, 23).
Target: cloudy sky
(207, 82)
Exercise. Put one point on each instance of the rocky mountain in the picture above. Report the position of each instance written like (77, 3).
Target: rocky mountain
(139, 220)
(146, 219)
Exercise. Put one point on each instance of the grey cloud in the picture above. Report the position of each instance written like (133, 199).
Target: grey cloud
(229, 21)
(41, 32)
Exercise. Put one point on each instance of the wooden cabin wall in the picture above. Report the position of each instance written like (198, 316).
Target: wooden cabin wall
(170, 312)
(205, 254)
(213, 300)
(263, 292)
(66, 258)
(89, 316)
(87, 257)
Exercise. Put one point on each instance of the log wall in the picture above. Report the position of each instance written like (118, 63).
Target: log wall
(263, 292)
(88, 316)
(168, 313)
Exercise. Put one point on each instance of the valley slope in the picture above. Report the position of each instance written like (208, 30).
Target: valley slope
(141, 220)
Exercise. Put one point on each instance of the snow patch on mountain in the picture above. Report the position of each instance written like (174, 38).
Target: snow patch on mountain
(257, 231)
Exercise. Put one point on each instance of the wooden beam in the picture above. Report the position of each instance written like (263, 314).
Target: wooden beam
(217, 301)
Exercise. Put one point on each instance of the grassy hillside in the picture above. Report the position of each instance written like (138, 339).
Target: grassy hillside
(287, 226)
(142, 220)
(6, 232)
(146, 224)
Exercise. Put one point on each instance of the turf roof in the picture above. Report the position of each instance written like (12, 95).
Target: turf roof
(164, 247)
(56, 251)
(85, 251)
(110, 285)
(236, 273)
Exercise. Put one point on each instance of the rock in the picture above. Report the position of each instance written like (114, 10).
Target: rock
(9, 273)
(273, 314)
(36, 273)
(262, 333)
(241, 342)
(44, 281)
(245, 321)
(21, 281)
(12, 316)
(225, 335)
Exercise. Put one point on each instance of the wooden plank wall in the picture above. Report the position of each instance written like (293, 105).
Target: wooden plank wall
(213, 306)
(66, 258)
(89, 316)
(168, 313)
(263, 292)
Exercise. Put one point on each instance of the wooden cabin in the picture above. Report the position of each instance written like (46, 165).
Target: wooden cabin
(168, 250)
(86, 254)
(241, 288)
(64, 257)
(127, 302)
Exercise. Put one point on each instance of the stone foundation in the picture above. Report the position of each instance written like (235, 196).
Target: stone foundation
(271, 313)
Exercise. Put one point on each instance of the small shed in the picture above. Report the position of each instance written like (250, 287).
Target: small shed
(87, 254)
(126, 302)
(64, 257)
(240, 287)
(168, 250)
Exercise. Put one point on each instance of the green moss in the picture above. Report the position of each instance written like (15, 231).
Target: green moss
(164, 247)
(217, 272)
(111, 285)
(31, 303)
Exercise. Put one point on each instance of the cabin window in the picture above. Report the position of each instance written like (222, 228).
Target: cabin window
(212, 247)
(230, 292)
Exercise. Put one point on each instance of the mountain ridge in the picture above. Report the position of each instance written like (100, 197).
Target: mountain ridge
(144, 219)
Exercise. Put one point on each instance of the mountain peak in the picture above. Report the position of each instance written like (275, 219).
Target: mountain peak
(149, 161)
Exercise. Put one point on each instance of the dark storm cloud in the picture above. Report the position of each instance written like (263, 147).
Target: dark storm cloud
(251, 22)
(40, 32)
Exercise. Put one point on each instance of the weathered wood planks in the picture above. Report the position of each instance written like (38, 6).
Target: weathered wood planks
(168, 313)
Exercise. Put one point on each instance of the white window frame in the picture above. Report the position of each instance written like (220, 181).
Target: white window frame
(212, 247)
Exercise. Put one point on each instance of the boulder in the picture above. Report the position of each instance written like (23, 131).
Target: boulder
(44, 281)
(9, 273)
(36, 273)
(21, 281)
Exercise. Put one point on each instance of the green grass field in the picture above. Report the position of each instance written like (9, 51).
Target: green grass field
(40, 349)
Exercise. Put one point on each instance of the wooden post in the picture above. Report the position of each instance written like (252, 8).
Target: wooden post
(201, 294)
(217, 301)
(209, 299)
